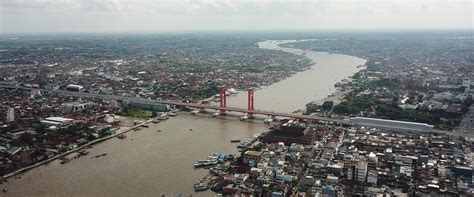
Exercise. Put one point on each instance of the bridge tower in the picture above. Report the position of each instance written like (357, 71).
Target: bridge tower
(222, 96)
(250, 99)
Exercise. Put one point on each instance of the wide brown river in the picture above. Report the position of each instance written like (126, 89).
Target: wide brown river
(151, 163)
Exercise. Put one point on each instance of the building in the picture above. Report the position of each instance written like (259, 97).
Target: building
(291, 132)
(252, 156)
(372, 177)
(74, 88)
(11, 114)
(392, 125)
(466, 83)
(361, 171)
(57, 121)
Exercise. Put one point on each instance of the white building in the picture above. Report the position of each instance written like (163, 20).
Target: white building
(57, 121)
(11, 114)
(466, 83)
(361, 171)
(392, 125)
(372, 177)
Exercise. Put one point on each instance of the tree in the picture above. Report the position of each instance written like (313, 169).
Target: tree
(327, 105)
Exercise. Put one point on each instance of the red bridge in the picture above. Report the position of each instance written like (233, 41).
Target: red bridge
(222, 108)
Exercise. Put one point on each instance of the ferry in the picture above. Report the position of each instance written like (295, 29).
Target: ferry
(203, 163)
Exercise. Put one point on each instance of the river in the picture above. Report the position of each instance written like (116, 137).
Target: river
(151, 163)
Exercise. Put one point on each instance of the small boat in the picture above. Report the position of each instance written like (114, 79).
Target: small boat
(145, 125)
(104, 154)
(121, 136)
(201, 185)
(172, 113)
(159, 130)
(84, 152)
(64, 160)
(235, 141)
(5, 190)
(155, 121)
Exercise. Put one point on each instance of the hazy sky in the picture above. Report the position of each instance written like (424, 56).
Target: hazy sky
(212, 15)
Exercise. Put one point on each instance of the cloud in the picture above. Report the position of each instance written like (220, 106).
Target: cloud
(157, 15)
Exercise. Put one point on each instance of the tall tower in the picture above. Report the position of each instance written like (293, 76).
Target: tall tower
(11, 114)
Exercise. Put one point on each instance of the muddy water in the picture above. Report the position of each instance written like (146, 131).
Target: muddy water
(150, 163)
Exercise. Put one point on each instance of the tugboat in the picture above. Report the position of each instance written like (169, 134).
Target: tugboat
(201, 185)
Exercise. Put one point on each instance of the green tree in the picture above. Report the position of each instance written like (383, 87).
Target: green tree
(327, 105)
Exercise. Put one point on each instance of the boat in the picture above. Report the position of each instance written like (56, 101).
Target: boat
(206, 163)
(5, 190)
(194, 112)
(145, 126)
(268, 120)
(232, 91)
(159, 130)
(172, 113)
(155, 120)
(235, 141)
(121, 136)
(64, 160)
(216, 114)
(84, 152)
(201, 185)
(245, 117)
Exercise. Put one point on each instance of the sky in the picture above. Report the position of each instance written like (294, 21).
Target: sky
(31, 16)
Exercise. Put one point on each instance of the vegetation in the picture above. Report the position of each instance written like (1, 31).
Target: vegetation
(355, 104)
(327, 105)
(134, 112)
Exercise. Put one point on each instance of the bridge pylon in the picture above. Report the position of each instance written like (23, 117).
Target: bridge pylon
(223, 101)
(250, 99)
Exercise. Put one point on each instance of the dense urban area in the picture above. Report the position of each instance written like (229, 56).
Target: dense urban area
(411, 84)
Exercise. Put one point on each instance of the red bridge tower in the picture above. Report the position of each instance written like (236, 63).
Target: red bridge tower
(250, 99)
(222, 96)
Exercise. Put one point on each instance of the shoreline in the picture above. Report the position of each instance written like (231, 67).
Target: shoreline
(338, 94)
(25, 169)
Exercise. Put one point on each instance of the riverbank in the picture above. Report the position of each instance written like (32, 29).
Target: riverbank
(150, 162)
(84, 146)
